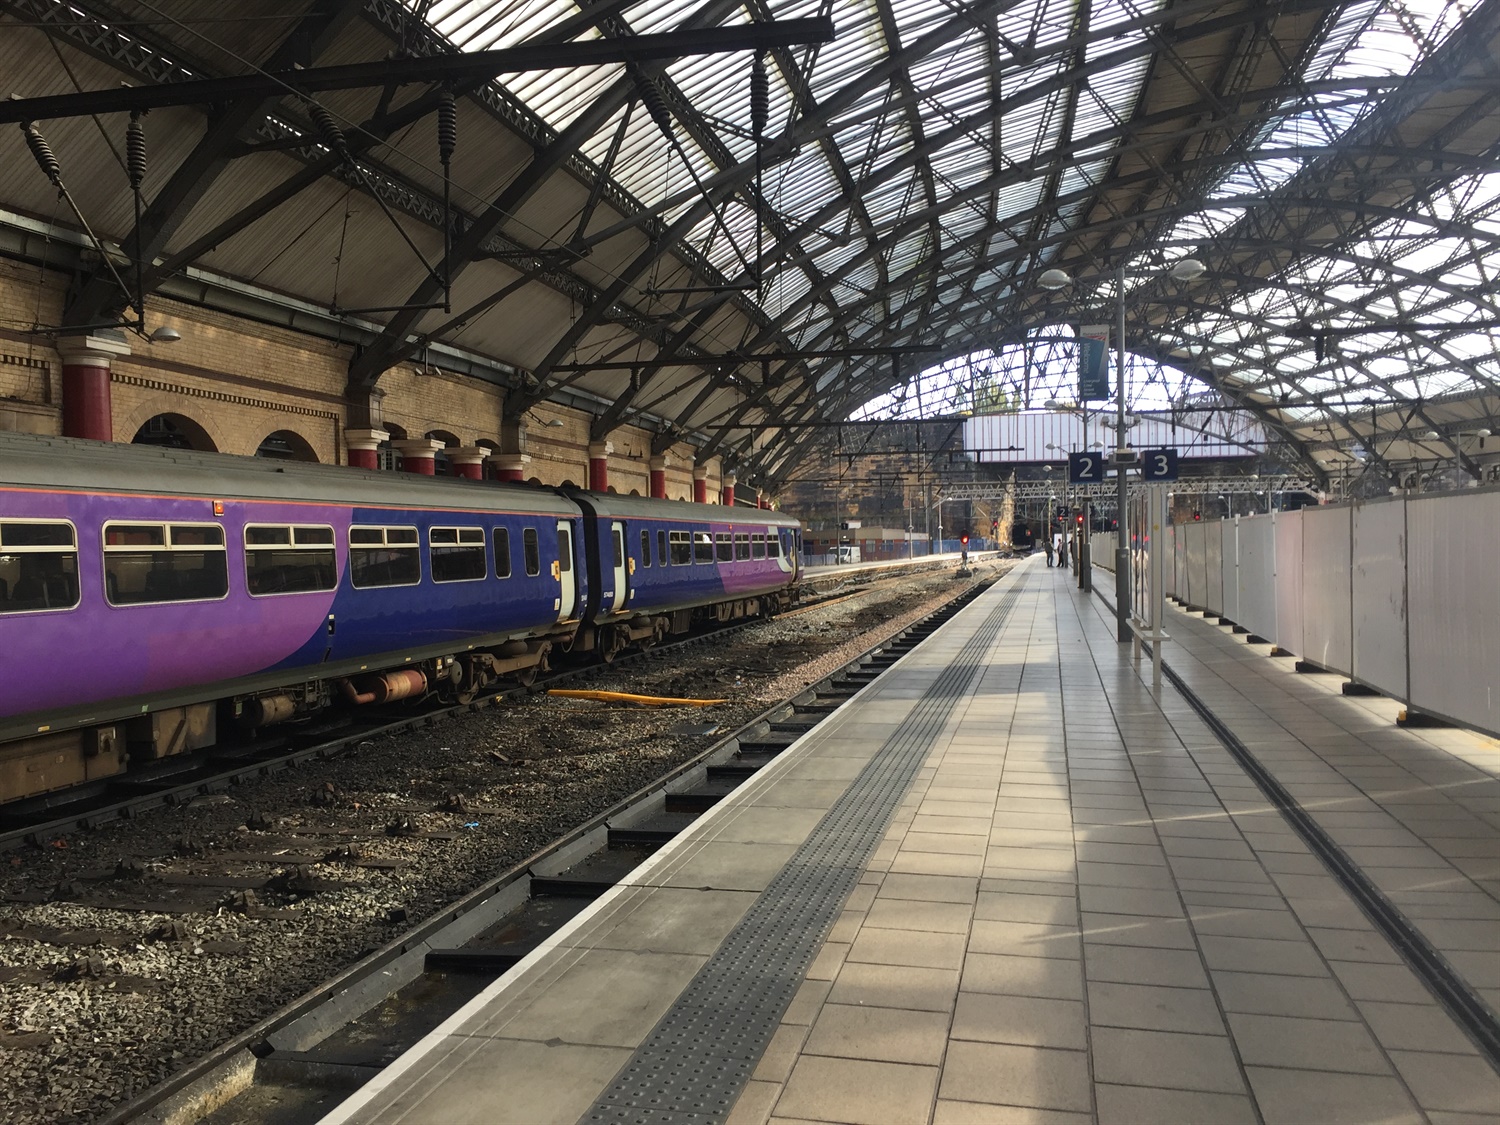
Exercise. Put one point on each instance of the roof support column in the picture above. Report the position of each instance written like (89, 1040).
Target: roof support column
(599, 452)
(659, 477)
(419, 455)
(87, 407)
(362, 445)
(468, 461)
(700, 484)
(726, 490)
(510, 467)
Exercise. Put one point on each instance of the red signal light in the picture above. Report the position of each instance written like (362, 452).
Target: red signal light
(964, 540)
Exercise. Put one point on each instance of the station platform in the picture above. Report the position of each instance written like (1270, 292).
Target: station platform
(1005, 883)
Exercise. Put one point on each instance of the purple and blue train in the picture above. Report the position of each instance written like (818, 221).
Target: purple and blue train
(151, 597)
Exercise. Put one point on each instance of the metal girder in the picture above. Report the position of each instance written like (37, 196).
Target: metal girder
(461, 67)
(396, 343)
(959, 491)
(732, 180)
(99, 295)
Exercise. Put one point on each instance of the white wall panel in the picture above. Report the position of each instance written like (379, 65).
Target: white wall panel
(1454, 606)
(1196, 562)
(1174, 545)
(1288, 581)
(1378, 566)
(1213, 567)
(1257, 575)
(1229, 550)
(1327, 613)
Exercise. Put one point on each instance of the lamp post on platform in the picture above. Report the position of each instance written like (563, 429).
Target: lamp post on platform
(1186, 269)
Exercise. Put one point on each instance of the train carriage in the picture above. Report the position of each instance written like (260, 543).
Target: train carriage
(660, 563)
(149, 596)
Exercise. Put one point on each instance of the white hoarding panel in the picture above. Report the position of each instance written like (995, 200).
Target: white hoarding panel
(1213, 567)
(1257, 575)
(1378, 567)
(1288, 581)
(1179, 550)
(1327, 614)
(1174, 543)
(1229, 580)
(1197, 555)
(1454, 584)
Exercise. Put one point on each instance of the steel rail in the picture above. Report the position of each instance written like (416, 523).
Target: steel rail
(209, 1076)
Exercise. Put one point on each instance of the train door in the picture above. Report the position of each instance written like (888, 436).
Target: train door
(567, 594)
(622, 579)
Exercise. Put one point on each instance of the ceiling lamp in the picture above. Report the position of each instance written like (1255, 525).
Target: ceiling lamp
(1053, 279)
(1188, 269)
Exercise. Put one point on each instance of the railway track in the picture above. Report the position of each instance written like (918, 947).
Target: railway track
(173, 781)
(291, 1066)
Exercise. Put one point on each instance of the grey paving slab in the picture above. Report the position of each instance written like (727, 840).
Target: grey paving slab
(1081, 911)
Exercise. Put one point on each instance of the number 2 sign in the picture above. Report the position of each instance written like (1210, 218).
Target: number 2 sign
(1085, 468)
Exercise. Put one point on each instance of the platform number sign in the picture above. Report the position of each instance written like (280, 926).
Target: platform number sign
(1086, 468)
(1159, 464)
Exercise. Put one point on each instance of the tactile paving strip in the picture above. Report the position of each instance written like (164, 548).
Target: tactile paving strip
(698, 1058)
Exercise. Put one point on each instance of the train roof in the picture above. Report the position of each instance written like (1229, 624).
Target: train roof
(613, 505)
(93, 466)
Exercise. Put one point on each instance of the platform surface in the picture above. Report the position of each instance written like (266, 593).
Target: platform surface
(1078, 908)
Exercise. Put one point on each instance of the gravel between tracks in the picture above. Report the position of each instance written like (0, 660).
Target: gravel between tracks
(100, 1001)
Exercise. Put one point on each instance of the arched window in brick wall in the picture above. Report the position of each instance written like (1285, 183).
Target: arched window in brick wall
(286, 445)
(175, 431)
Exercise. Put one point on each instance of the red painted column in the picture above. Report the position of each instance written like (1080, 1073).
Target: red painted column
(87, 409)
(658, 478)
(599, 452)
(726, 493)
(700, 484)
(510, 467)
(417, 455)
(468, 461)
(362, 445)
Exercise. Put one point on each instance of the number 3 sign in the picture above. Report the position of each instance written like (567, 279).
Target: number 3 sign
(1159, 464)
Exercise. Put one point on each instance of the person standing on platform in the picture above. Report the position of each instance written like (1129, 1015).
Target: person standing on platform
(1047, 542)
(1062, 548)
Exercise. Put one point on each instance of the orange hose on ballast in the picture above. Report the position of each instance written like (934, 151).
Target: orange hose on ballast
(624, 697)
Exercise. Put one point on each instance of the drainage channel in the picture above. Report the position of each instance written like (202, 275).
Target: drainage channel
(1463, 1003)
(293, 1067)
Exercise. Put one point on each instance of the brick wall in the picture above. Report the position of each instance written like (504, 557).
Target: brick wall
(238, 381)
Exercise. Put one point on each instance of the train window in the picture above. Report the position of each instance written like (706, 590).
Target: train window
(724, 546)
(38, 566)
(289, 560)
(457, 553)
(152, 562)
(773, 545)
(758, 545)
(501, 537)
(742, 546)
(384, 556)
(682, 549)
(645, 548)
(661, 548)
(564, 549)
(703, 547)
(532, 551)
(619, 538)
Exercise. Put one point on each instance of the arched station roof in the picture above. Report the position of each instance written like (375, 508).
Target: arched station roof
(622, 240)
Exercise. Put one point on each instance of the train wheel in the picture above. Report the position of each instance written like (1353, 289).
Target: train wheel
(612, 642)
